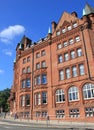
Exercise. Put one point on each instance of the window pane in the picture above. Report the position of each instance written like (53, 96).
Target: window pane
(44, 78)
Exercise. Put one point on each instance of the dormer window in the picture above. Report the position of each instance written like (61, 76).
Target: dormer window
(75, 25)
(58, 33)
(63, 30)
(69, 27)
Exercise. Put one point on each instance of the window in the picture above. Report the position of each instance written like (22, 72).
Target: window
(60, 96)
(66, 56)
(58, 33)
(28, 59)
(37, 55)
(22, 100)
(71, 41)
(23, 71)
(44, 78)
(77, 39)
(44, 97)
(79, 52)
(74, 113)
(43, 64)
(65, 44)
(59, 46)
(68, 73)
(43, 53)
(38, 114)
(75, 25)
(69, 27)
(72, 54)
(28, 69)
(24, 60)
(89, 111)
(39, 98)
(60, 59)
(61, 75)
(73, 93)
(28, 83)
(38, 78)
(74, 71)
(38, 66)
(23, 84)
(88, 91)
(27, 100)
(60, 114)
(63, 30)
(44, 114)
(81, 69)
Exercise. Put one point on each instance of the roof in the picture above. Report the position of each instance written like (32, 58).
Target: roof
(88, 10)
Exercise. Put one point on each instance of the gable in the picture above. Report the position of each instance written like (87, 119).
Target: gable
(65, 20)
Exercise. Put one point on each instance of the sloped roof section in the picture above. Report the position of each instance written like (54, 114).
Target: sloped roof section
(88, 10)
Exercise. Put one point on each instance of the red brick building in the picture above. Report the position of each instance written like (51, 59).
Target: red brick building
(55, 76)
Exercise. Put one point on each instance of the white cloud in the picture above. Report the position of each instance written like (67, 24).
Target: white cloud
(7, 34)
(1, 71)
(7, 52)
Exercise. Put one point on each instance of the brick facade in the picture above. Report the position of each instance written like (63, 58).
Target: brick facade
(55, 76)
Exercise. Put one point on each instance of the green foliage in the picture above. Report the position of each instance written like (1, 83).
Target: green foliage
(4, 95)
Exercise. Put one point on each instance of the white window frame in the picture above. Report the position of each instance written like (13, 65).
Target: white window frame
(81, 69)
(61, 74)
(60, 96)
(68, 73)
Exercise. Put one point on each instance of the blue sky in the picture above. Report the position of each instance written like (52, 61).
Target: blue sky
(32, 18)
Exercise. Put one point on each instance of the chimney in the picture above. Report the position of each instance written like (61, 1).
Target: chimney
(53, 26)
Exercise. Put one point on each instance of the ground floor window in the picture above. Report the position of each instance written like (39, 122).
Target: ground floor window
(89, 111)
(42, 114)
(60, 114)
(74, 113)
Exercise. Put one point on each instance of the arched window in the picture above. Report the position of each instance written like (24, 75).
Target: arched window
(60, 96)
(88, 91)
(73, 93)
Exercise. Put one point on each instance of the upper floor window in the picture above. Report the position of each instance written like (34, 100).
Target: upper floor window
(81, 69)
(37, 55)
(23, 70)
(24, 60)
(88, 91)
(22, 100)
(59, 46)
(67, 73)
(77, 39)
(60, 59)
(66, 56)
(79, 52)
(38, 78)
(60, 96)
(63, 30)
(69, 27)
(44, 78)
(73, 93)
(28, 59)
(28, 82)
(72, 54)
(28, 69)
(38, 66)
(74, 71)
(44, 97)
(43, 64)
(71, 41)
(58, 33)
(65, 44)
(61, 75)
(75, 25)
(27, 100)
(23, 83)
(43, 53)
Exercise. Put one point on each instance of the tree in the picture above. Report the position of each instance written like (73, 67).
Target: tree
(4, 95)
